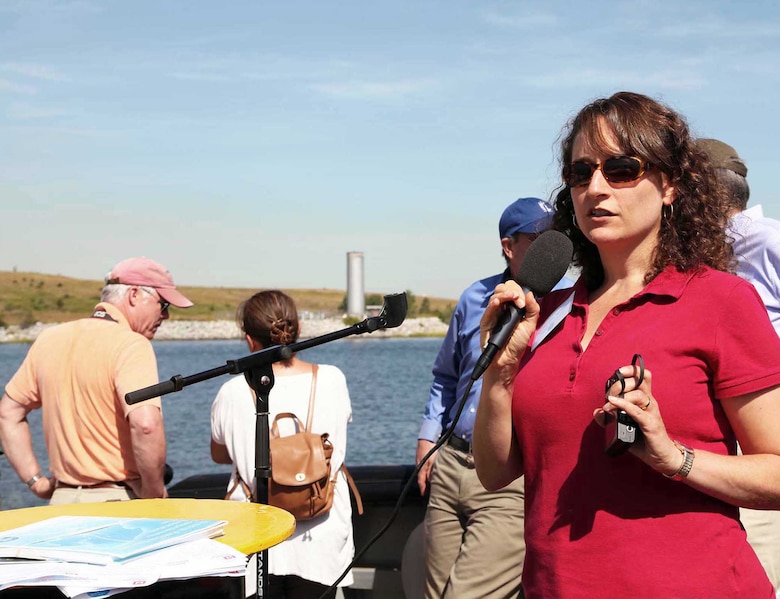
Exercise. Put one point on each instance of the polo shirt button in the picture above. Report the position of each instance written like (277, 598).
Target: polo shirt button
(599, 332)
(616, 311)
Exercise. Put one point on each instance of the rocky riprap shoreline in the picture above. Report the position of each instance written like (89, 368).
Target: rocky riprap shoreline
(227, 329)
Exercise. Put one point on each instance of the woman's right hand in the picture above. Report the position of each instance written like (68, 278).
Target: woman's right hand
(505, 364)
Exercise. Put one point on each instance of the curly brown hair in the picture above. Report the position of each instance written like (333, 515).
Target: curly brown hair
(270, 318)
(694, 234)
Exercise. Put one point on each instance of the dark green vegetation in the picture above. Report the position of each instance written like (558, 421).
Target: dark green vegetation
(27, 298)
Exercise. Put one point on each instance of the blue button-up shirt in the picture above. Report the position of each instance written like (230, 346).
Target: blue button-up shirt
(455, 362)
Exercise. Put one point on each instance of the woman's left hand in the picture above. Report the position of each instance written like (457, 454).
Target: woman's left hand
(655, 448)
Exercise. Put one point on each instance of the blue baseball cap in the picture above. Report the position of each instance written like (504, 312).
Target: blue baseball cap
(525, 215)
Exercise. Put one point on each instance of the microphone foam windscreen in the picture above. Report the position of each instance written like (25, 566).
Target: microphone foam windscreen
(545, 262)
(395, 309)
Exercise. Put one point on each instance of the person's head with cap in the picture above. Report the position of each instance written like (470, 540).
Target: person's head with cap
(142, 289)
(520, 223)
(730, 169)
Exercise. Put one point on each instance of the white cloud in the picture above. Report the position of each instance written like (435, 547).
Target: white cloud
(716, 28)
(38, 7)
(16, 88)
(376, 89)
(254, 66)
(671, 79)
(22, 112)
(32, 71)
(664, 79)
(206, 77)
(525, 21)
(82, 132)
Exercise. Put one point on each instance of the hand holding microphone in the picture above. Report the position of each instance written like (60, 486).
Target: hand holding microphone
(545, 263)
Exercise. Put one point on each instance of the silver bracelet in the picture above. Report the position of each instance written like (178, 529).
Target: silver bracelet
(686, 465)
(34, 480)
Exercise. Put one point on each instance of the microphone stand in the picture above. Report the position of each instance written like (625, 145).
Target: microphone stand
(258, 371)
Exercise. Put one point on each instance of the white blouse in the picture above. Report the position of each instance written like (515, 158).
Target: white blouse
(319, 550)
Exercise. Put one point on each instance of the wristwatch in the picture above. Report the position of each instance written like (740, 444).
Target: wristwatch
(34, 480)
(687, 464)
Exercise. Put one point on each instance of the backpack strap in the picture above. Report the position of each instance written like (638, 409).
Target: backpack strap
(240, 481)
(350, 480)
(275, 426)
(353, 486)
(310, 415)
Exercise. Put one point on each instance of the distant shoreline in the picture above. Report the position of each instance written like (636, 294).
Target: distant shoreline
(195, 330)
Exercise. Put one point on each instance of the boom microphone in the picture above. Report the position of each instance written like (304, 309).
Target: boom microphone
(545, 263)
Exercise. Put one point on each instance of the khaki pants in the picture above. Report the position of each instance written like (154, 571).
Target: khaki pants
(86, 495)
(473, 538)
(763, 533)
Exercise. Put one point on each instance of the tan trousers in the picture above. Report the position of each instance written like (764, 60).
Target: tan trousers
(763, 533)
(84, 495)
(473, 538)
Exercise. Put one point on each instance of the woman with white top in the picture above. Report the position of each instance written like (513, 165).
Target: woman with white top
(320, 549)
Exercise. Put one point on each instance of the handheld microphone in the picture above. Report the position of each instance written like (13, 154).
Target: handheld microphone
(545, 263)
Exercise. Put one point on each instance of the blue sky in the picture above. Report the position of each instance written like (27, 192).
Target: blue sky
(253, 144)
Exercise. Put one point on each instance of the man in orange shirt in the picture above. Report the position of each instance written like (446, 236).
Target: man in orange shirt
(78, 373)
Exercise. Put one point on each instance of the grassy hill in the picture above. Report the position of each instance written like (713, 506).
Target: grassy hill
(26, 298)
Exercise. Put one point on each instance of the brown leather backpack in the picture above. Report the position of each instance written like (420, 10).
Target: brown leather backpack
(301, 479)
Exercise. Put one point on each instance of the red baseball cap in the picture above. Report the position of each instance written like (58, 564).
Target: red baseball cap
(148, 273)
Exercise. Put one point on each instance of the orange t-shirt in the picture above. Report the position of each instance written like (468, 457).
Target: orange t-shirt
(79, 373)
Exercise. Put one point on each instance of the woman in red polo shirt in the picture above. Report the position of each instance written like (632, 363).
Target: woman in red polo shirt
(660, 519)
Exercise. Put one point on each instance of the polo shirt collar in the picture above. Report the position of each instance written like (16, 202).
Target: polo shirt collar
(670, 283)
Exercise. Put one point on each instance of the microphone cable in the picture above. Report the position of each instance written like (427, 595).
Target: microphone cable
(404, 491)
(544, 264)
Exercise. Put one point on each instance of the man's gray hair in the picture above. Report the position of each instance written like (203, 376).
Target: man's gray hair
(114, 292)
(736, 186)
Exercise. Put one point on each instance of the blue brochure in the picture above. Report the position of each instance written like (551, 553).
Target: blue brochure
(101, 540)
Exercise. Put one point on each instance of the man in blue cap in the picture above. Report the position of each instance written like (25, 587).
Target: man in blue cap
(473, 539)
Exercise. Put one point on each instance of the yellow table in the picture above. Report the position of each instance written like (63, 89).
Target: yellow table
(251, 527)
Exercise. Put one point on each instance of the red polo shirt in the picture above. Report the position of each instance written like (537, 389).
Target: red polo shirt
(612, 527)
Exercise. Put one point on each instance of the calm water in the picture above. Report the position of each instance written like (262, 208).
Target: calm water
(388, 383)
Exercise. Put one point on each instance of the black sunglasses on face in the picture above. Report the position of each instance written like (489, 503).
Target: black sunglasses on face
(163, 304)
(621, 169)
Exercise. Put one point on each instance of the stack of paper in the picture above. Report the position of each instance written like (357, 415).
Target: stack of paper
(87, 554)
